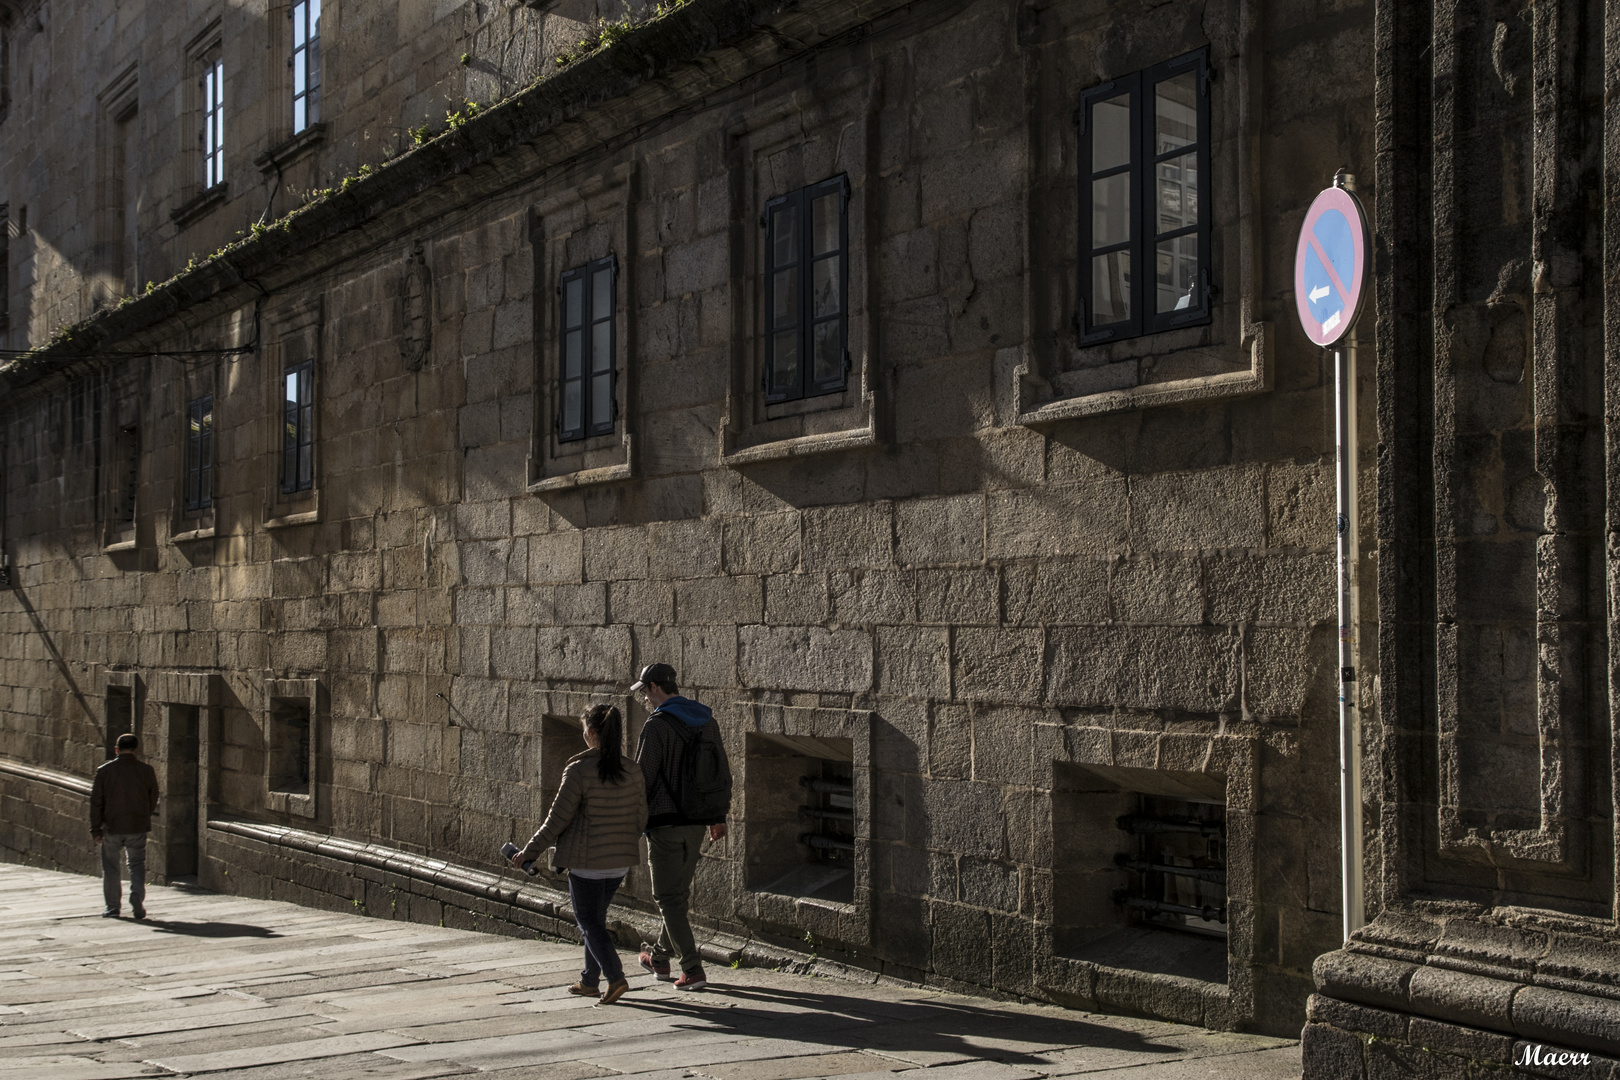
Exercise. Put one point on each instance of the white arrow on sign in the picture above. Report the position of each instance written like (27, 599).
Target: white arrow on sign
(1318, 292)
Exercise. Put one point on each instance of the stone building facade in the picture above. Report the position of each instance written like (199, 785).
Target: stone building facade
(792, 344)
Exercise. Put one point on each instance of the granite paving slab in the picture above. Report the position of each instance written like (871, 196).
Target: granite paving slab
(240, 989)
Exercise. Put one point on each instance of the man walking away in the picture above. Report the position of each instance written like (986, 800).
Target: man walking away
(688, 793)
(122, 800)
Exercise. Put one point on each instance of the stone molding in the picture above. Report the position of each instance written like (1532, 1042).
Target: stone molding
(1546, 985)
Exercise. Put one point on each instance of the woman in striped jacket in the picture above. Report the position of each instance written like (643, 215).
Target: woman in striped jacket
(595, 822)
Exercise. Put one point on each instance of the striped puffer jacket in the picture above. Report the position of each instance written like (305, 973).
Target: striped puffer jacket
(594, 824)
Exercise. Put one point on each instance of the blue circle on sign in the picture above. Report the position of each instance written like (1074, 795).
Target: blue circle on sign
(1329, 267)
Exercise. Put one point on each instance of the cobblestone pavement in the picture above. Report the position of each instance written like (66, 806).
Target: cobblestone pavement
(221, 986)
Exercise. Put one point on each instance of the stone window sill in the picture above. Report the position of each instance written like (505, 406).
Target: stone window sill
(291, 802)
(1254, 379)
(607, 474)
(802, 446)
(279, 157)
(198, 205)
(294, 517)
(194, 534)
(120, 545)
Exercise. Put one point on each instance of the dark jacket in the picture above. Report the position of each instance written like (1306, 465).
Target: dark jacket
(123, 797)
(659, 753)
(595, 824)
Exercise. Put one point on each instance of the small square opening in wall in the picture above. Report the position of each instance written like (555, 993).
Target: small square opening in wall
(289, 746)
(1139, 869)
(560, 740)
(801, 817)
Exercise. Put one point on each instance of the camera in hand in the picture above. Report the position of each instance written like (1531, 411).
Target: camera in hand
(510, 849)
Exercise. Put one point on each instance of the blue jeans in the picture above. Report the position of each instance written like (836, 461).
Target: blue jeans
(591, 899)
(113, 845)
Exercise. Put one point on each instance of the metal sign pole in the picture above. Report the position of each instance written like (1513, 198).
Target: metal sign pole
(1344, 357)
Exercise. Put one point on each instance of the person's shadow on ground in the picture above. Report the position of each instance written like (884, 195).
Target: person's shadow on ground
(209, 929)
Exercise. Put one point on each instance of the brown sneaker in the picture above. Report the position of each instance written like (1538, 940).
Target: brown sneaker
(615, 991)
(585, 990)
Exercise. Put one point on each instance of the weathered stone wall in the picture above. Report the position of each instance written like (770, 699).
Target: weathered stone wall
(1000, 594)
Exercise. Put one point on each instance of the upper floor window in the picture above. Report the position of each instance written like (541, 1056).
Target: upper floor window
(1145, 201)
(807, 292)
(212, 136)
(298, 429)
(585, 373)
(306, 64)
(200, 453)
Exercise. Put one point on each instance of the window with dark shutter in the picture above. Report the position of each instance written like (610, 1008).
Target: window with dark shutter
(298, 429)
(807, 292)
(200, 453)
(1145, 201)
(586, 402)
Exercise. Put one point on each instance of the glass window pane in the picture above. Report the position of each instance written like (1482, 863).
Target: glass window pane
(314, 18)
(785, 303)
(314, 106)
(299, 85)
(1175, 110)
(602, 346)
(299, 13)
(306, 425)
(785, 235)
(1110, 287)
(828, 364)
(314, 62)
(1111, 133)
(571, 359)
(1178, 192)
(602, 293)
(306, 467)
(785, 362)
(289, 467)
(574, 302)
(1178, 274)
(298, 115)
(292, 389)
(1111, 210)
(601, 400)
(824, 216)
(825, 298)
(570, 417)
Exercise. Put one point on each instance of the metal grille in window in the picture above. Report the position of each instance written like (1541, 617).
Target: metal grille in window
(298, 429)
(200, 453)
(829, 812)
(1178, 870)
(306, 64)
(807, 292)
(585, 392)
(213, 129)
(1145, 201)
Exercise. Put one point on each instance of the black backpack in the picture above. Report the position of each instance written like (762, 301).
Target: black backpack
(704, 795)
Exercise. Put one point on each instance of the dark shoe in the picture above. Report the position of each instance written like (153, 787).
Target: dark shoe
(585, 990)
(138, 911)
(110, 913)
(658, 969)
(692, 980)
(615, 991)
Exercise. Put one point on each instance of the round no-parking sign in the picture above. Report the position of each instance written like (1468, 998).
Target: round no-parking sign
(1330, 265)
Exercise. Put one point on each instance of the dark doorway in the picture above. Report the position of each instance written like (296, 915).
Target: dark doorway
(120, 716)
(180, 793)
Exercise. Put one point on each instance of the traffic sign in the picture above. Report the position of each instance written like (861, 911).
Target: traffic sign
(1330, 265)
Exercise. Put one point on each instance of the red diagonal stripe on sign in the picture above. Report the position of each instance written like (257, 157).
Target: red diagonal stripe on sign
(1327, 264)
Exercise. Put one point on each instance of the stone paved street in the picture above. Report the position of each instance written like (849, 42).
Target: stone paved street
(227, 987)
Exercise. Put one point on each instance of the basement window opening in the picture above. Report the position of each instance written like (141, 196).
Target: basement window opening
(801, 817)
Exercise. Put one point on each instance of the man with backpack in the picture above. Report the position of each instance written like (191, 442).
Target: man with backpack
(688, 795)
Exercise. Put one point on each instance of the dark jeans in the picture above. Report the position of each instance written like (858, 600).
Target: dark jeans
(591, 899)
(112, 846)
(672, 858)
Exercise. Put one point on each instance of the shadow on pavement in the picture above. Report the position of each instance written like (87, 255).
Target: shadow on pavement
(932, 1027)
(210, 929)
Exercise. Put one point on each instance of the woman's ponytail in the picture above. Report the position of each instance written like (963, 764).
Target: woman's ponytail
(608, 725)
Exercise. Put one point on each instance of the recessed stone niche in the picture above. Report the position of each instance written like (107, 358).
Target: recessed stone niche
(801, 817)
(1139, 869)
